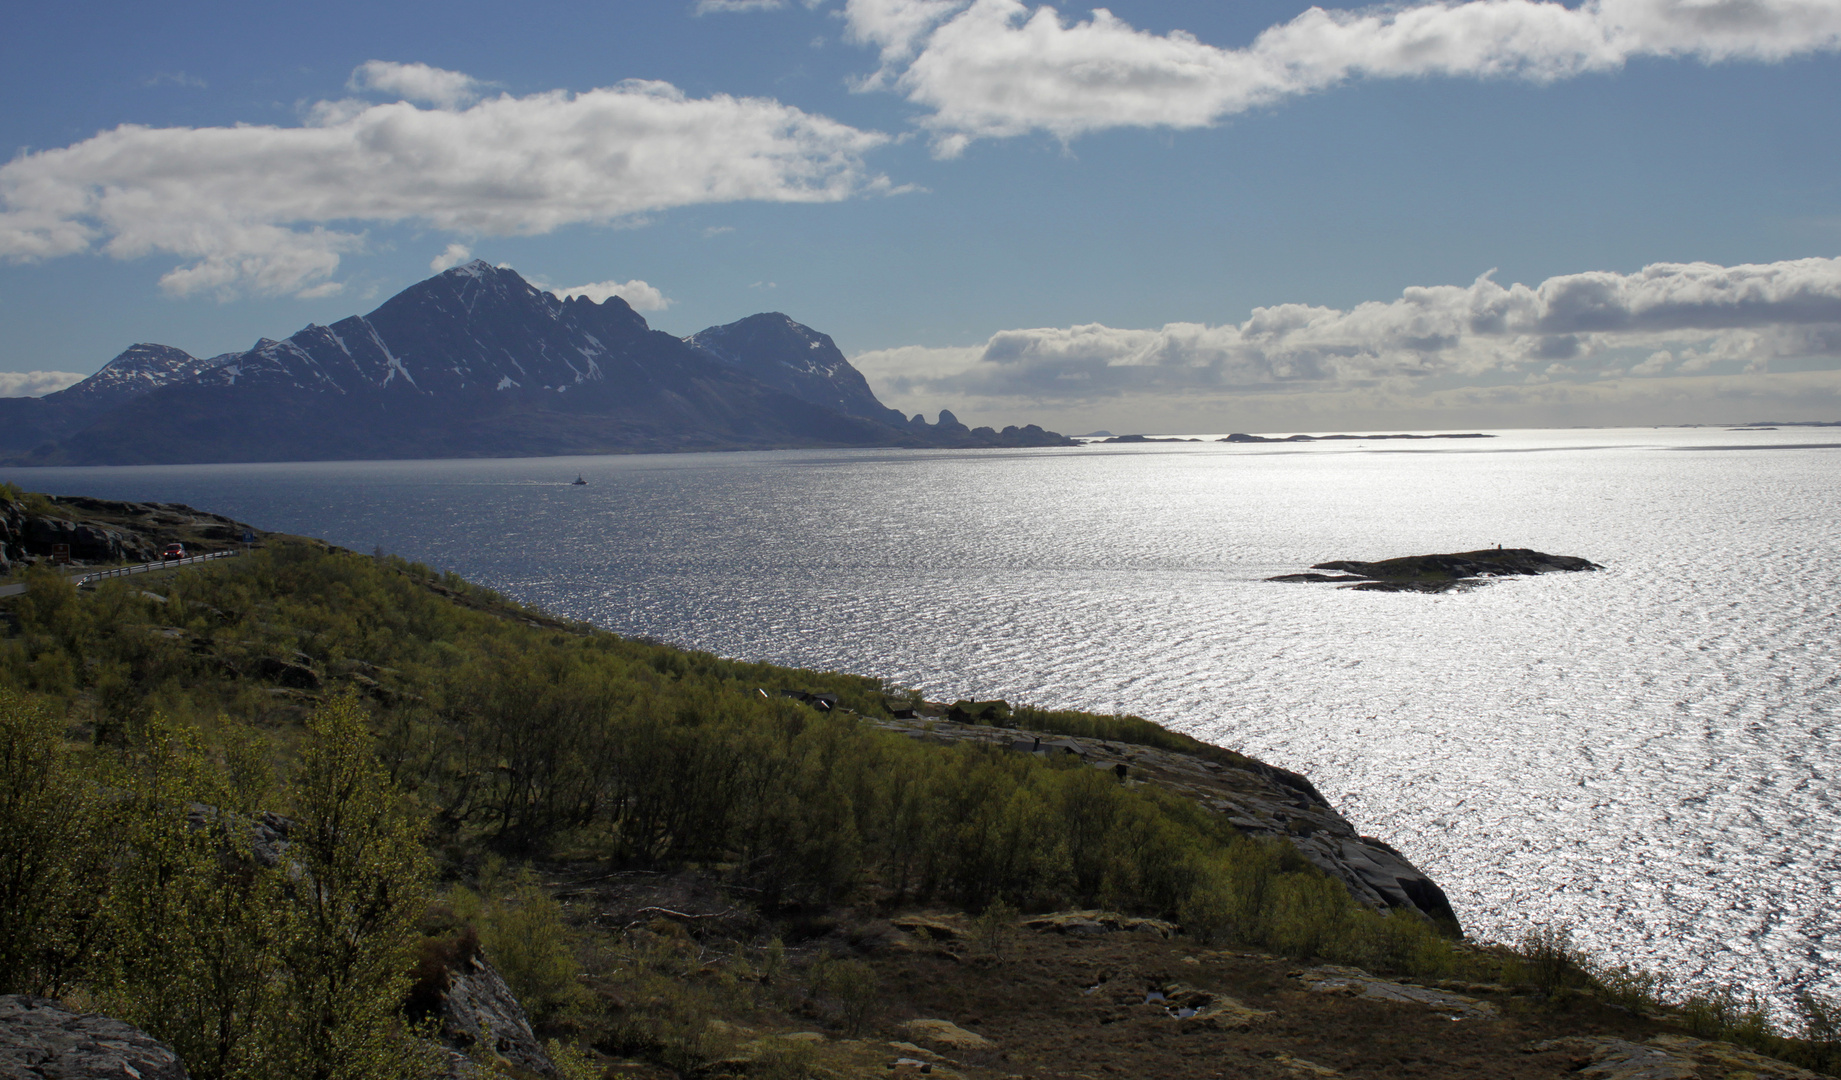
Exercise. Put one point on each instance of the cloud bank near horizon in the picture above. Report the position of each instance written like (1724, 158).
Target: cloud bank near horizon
(270, 210)
(36, 383)
(1668, 330)
(998, 68)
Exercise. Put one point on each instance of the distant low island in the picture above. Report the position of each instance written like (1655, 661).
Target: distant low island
(1441, 573)
(1239, 437)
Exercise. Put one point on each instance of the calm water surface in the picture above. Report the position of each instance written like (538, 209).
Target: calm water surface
(1648, 752)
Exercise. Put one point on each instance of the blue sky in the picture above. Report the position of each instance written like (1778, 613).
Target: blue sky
(1161, 216)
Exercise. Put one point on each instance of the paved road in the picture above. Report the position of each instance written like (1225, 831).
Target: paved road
(86, 577)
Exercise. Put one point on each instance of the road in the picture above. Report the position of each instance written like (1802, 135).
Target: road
(87, 577)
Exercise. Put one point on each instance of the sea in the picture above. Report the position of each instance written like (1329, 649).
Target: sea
(1646, 755)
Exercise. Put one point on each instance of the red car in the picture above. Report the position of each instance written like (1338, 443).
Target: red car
(173, 551)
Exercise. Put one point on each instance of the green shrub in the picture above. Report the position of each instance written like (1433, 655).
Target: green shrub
(1819, 1017)
(853, 984)
(1548, 962)
(994, 929)
(52, 852)
(196, 925)
(526, 939)
(1306, 915)
(1629, 987)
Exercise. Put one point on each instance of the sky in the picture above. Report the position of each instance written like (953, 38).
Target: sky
(1156, 216)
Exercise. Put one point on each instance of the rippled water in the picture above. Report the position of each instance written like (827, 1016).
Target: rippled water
(1648, 752)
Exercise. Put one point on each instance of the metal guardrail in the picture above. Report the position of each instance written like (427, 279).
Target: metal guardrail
(83, 578)
(147, 568)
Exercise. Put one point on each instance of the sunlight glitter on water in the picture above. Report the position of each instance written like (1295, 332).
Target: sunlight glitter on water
(1647, 752)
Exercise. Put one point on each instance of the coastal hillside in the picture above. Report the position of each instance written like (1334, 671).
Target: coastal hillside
(476, 362)
(537, 848)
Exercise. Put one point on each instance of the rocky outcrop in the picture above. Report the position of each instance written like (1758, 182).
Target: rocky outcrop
(1665, 1057)
(478, 1014)
(1354, 982)
(479, 1010)
(931, 1032)
(1201, 1010)
(107, 531)
(42, 1040)
(1091, 923)
(1442, 573)
(265, 836)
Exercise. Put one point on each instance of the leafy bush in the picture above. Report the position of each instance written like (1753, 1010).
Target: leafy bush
(1548, 959)
(257, 965)
(994, 929)
(525, 937)
(52, 855)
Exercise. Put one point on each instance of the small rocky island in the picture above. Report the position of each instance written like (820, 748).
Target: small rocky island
(1441, 573)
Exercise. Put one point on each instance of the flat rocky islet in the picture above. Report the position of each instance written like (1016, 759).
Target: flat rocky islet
(1440, 573)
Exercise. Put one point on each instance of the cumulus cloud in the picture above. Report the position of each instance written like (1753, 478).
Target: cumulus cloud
(266, 209)
(994, 68)
(454, 255)
(416, 82)
(36, 383)
(1693, 317)
(639, 295)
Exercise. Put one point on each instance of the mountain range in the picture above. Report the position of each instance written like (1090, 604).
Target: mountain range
(477, 362)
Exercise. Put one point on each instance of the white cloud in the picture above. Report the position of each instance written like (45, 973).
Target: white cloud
(994, 68)
(1655, 363)
(174, 78)
(36, 383)
(638, 295)
(708, 7)
(897, 27)
(1700, 317)
(265, 209)
(453, 256)
(416, 82)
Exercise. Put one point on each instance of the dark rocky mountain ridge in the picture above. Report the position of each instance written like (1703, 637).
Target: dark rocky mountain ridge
(140, 369)
(797, 359)
(476, 362)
